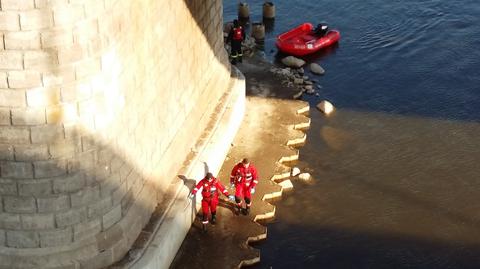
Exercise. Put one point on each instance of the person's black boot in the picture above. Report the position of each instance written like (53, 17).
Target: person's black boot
(214, 219)
(234, 62)
(246, 211)
(238, 209)
(240, 59)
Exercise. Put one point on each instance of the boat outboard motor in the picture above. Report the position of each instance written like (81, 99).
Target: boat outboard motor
(321, 30)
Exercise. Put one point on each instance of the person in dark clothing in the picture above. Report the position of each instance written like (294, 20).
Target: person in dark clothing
(235, 37)
(320, 30)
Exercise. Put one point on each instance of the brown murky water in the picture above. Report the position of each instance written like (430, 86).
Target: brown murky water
(388, 191)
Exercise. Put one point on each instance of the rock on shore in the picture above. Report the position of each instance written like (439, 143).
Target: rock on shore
(317, 69)
(326, 107)
(293, 62)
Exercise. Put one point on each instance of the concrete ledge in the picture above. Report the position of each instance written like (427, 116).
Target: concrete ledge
(178, 214)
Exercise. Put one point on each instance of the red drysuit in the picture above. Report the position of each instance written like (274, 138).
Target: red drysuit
(210, 189)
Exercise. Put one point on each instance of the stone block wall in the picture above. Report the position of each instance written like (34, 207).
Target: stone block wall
(100, 102)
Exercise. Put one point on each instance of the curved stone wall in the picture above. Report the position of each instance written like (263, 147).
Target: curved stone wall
(100, 102)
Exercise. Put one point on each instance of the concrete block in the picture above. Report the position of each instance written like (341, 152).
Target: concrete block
(31, 153)
(72, 54)
(2, 238)
(62, 113)
(112, 217)
(35, 187)
(43, 97)
(86, 30)
(286, 184)
(50, 168)
(109, 238)
(71, 217)
(22, 239)
(102, 260)
(14, 204)
(69, 184)
(55, 238)
(6, 152)
(40, 61)
(127, 201)
(88, 144)
(5, 117)
(87, 68)
(9, 21)
(120, 249)
(3, 80)
(38, 221)
(8, 187)
(53, 203)
(62, 37)
(59, 76)
(68, 14)
(29, 40)
(86, 229)
(36, 19)
(99, 208)
(10, 221)
(77, 91)
(49, 3)
(83, 162)
(85, 196)
(16, 170)
(14, 135)
(24, 79)
(17, 4)
(28, 116)
(47, 133)
(119, 193)
(12, 60)
(66, 148)
(108, 184)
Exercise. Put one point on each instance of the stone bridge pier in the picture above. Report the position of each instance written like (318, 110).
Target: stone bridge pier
(102, 104)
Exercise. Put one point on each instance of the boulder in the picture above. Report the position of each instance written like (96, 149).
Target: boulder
(295, 171)
(300, 70)
(304, 176)
(308, 87)
(326, 107)
(293, 62)
(316, 69)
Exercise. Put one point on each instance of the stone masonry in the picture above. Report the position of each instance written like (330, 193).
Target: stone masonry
(100, 102)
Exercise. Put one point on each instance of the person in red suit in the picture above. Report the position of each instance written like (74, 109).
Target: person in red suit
(236, 37)
(244, 178)
(210, 187)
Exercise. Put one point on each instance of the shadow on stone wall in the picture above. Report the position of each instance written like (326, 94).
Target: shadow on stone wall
(69, 198)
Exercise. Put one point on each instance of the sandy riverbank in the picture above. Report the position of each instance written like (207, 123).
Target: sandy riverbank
(270, 119)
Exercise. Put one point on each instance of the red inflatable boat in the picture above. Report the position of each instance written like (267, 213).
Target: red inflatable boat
(301, 40)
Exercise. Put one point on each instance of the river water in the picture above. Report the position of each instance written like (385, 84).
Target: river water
(396, 169)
